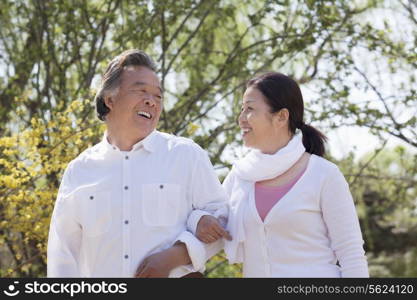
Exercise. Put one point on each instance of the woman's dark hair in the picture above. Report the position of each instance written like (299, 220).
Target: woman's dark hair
(281, 92)
(111, 78)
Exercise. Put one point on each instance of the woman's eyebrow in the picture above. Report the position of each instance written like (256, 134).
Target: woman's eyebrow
(249, 100)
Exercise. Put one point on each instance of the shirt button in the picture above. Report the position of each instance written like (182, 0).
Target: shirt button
(126, 222)
(161, 186)
(91, 197)
(126, 256)
(126, 157)
(114, 148)
(126, 187)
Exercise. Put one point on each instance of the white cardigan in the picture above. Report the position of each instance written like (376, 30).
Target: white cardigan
(305, 234)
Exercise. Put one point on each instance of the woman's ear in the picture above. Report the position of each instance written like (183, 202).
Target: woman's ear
(281, 117)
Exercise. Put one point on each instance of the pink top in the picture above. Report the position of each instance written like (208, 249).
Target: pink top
(267, 196)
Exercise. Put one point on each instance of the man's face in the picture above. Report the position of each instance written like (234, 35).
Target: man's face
(138, 103)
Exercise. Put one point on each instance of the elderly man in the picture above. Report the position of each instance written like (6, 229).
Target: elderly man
(123, 205)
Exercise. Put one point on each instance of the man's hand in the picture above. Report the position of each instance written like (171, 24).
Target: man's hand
(160, 264)
(157, 265)
(209, 230)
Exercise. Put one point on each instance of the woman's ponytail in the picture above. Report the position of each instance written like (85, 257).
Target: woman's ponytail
(313, 139)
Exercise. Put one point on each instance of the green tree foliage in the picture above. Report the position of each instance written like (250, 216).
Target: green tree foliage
(383, 185)
(52, 53)
(380, 61)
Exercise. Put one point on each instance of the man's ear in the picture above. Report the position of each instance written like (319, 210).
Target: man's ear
(109, 101)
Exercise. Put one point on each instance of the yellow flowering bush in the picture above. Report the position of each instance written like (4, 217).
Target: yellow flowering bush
(32, 161)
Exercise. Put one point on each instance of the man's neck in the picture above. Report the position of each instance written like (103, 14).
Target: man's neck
(122, 141)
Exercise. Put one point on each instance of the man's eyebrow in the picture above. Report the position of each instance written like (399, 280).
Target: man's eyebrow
(140, 83)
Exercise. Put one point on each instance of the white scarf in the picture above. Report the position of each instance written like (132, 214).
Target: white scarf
(255, 166)
(258, 166)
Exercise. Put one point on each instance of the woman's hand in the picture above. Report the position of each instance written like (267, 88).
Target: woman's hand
(209, 230)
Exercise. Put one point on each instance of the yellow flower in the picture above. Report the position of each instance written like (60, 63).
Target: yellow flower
(9, 182)
(8, 142)
(192, 128)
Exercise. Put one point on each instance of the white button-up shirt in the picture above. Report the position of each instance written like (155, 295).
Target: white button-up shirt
(114, 208)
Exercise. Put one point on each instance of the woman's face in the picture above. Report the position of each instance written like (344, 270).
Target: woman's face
(256, 120)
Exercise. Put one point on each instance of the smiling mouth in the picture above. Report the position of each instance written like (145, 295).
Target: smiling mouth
(144, 114)
(246, 131)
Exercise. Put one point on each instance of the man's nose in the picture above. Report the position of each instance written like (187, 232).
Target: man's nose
(150, 100)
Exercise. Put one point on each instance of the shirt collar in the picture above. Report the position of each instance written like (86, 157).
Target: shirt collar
(148, 143)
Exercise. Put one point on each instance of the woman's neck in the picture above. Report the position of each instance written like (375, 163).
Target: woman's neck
(273, 145)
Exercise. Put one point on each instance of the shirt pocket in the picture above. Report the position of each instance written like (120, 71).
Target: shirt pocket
(96, 214)
(161, 204)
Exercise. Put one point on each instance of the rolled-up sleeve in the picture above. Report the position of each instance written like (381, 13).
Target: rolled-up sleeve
(342, 222)
(195, 249)
(199, 253)
(64, 234)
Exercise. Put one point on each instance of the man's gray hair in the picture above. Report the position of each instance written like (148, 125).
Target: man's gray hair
(111, 78)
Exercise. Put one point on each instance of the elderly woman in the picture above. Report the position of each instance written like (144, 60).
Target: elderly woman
(292, 214)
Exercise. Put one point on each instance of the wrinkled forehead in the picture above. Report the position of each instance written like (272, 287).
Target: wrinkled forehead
(140, 76)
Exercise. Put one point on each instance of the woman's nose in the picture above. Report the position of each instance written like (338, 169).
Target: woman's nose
(241, 118)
